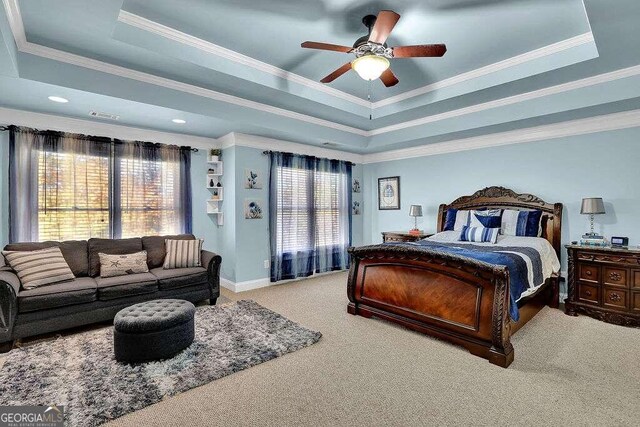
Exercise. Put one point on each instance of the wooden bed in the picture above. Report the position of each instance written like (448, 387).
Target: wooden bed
(460, 300)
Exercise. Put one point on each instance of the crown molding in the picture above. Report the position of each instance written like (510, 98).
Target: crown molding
(88, 127)
(263, 143)
(491, 68)
(604, 123)
(212, 48)
(521, 97)
(14, 16)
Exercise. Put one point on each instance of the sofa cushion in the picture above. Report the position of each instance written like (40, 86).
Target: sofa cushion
(124, 286)
(73, 251)
(156, 249)
(179, 277)
(111, 247)
(78, 291)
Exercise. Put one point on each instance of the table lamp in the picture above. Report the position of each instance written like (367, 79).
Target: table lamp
(415, 211)
(592, 206)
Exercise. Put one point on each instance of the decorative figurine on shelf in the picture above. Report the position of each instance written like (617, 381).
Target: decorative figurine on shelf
(215, 195)
(211, 183)
(219, 184)
(214, 154)
(211, 171)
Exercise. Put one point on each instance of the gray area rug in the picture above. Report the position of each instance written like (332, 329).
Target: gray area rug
(81, 373)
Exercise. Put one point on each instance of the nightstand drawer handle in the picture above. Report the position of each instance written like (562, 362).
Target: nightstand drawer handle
(588, 273)
(588, 293)
(615, 276)
(614, 297)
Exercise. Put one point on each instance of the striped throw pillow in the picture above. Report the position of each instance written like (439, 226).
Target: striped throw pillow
(182, 253)
(522, 223)
(39, 268)
(479, 234)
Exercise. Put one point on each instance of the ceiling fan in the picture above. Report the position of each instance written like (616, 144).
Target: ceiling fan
(373, 54)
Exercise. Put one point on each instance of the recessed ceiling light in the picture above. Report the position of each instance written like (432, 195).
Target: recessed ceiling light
(58, 99)
(179, 121)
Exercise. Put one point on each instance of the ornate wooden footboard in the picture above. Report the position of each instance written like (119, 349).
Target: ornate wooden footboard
(457, 299)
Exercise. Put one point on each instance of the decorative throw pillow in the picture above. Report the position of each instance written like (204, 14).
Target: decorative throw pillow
(490, 218)
(182, 253)
(450, 219)
(39, 268)
(479, 234)
(457, 219)
(121, 265)
(521, 223)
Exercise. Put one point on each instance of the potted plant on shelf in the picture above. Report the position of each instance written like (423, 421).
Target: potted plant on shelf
(214, 154)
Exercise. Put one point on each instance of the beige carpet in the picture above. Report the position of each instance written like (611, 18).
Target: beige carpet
(567, 371)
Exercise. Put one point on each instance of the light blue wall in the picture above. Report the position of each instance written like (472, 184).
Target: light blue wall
(562, 170)
(252, 235)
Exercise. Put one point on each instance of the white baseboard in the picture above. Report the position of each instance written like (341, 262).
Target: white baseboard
(264, 282)
(245, 286)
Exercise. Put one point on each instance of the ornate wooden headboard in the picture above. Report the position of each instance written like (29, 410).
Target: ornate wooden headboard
(500, 197)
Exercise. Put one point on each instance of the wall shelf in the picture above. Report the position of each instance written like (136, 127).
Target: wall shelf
(214, 184)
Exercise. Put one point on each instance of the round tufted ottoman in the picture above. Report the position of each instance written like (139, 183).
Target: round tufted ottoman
(153, 330)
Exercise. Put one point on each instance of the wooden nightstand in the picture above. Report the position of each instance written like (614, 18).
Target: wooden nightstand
(402, 236)
(604, 283)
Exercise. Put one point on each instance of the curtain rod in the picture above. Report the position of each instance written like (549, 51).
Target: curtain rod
(6, 128)
(266, 152)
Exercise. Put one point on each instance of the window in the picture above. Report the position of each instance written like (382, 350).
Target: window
(310, 215)
(73, 196)
(330, 223)
(294, 205)
(73, 187)
(147, 200)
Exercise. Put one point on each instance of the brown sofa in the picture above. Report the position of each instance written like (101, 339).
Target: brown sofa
(90, 298)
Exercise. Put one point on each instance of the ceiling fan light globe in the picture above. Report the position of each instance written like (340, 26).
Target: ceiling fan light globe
(370, 67)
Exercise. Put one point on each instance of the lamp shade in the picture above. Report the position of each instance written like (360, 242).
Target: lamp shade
(415, 210)
(370, 67)
(592, 206)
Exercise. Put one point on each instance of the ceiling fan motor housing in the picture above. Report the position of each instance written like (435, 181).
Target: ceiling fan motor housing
(363, 46)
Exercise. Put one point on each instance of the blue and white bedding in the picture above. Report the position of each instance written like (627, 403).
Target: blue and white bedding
(530, 260)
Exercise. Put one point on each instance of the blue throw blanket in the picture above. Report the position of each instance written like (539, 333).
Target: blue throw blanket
(496, 255)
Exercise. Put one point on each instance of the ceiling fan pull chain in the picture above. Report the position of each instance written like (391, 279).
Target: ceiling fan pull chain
(370, 104)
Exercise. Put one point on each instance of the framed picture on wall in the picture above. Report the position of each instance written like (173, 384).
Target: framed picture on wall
(389, 193)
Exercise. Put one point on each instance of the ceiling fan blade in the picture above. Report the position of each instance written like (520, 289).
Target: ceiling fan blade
(419, 50)
(326, 46)
(385, 22)
(388, 78)
(337, 73)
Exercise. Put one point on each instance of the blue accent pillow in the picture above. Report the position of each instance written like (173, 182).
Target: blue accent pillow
(479, 234)
(450, 219)
(489, 218)
(532, 228)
